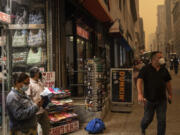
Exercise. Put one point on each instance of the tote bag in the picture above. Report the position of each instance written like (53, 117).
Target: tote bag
(36, 39)
(21, 16)
(19, 39)
(19, 57)
(35, 57)
(36, 17)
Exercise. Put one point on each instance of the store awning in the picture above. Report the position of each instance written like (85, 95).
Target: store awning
(116, 28)
(98, 9)
(125, 44)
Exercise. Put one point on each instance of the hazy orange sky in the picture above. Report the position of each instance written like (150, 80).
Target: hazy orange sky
(148, 11)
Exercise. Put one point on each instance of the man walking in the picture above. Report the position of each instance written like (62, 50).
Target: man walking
(156, 79)
(176, 63)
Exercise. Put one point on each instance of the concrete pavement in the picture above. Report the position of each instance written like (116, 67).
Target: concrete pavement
(129, 123)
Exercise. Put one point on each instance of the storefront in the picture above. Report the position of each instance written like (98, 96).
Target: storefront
(23, 42)
(122, 52)
(85, 39)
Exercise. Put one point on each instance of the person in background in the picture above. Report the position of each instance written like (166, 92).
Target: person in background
(36, 87)
(21, 109)
(176, 64)
(156, 80)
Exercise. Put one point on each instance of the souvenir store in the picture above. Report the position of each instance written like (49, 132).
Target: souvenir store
(87, 55)
(71, 47)
(24, 44)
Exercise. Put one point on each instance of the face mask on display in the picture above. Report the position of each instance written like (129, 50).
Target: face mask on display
(25, 88)
(161, 61)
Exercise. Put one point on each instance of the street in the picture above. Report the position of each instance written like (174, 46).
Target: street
(129, 123)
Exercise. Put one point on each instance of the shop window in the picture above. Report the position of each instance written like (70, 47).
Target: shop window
(28, 35)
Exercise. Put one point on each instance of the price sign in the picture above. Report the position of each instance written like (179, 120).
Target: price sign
(48, 79)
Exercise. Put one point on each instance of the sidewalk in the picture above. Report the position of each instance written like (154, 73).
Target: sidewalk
(129, 123)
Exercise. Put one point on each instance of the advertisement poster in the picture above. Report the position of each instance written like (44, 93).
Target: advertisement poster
(122, 85)
(48, 79)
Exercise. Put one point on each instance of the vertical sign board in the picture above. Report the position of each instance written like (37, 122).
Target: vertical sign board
(48, 79)
(121, 85)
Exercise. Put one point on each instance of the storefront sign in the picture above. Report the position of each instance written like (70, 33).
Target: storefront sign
(121, 85)
(48, 79)
(5, 17)
(64, 129)
(82, 32)
(100, 40)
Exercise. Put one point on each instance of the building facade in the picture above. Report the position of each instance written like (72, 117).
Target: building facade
(125, 30)
(176, 23)
(161, 29)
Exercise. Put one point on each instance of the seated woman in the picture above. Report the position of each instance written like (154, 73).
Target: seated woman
(21, 110)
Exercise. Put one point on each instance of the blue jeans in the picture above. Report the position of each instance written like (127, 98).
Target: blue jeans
(149, 110)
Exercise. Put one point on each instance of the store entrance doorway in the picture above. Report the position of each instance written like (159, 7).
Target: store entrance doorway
(77, 53)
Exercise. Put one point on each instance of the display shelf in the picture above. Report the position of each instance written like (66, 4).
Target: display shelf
(27, 46)
(28, 65)
(26, 26)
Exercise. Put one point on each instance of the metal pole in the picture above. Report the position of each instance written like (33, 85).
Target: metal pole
(3, 93)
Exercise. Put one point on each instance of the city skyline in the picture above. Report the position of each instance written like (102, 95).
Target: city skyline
(148, 11)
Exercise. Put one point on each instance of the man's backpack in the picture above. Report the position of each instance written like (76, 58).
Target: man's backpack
(95, 126)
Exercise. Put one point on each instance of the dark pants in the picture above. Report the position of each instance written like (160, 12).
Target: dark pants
(176, 70)
(149, 110)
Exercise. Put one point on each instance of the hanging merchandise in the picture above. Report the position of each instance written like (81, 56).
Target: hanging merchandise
(36, 17)
(20, 38)
(2, 40)
(35, 56)
(21, 16)
(36, 38)
(19, 57)
(95, 94)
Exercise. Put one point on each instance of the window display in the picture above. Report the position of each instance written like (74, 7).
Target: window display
(28, 35)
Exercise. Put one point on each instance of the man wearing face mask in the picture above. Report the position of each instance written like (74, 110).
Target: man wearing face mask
(36, 87)
(156, 80)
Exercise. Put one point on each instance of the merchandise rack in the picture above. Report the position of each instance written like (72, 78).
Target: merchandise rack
(95, 85)
(65, 125)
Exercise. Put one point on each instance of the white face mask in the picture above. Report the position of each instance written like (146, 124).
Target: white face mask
(162, 61)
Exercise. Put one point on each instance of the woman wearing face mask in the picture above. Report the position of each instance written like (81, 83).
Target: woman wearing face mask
(34, 91)
(21, 110)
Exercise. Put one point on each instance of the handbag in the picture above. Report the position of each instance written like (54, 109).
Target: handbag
(36, 17)
(19, 57)
(21, 16)
(2, 40)
(36, 39)
(19, 39)
(35, 57)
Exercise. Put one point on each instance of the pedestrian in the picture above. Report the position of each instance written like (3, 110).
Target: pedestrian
(36, 87)
(21, 109)
(156, 80)
(176, 64)
(171, 63)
